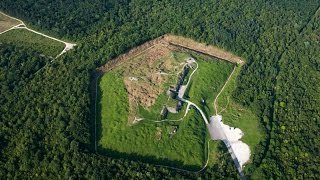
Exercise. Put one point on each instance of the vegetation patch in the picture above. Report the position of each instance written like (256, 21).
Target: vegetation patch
(132, 99)
(207, 82)
(45, 118)
(25, 38)
(238, 116)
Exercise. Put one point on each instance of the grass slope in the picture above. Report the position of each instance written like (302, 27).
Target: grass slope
(235, 115)
(25, 38)
(207, 82)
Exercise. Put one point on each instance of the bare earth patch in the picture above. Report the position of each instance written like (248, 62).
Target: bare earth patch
(143, 77)
(204, 48)
(6, 22)
(172, 41)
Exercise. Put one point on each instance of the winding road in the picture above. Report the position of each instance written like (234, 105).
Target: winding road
(180, 97)
(215, 100)
(201, 112)
(210, 127)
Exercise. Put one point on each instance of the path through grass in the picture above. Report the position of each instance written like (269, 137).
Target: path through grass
(7, 22)
(235, 115)
(183, 149)
(25, 38)
(188, 147)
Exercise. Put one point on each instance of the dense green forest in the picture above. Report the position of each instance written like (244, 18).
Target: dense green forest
(46, 117)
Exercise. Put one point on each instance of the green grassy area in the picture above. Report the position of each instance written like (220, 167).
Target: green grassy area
(207, 82)
(153, 113)
(188, 147)
(235, 115)
(184, 149)
(25, 38)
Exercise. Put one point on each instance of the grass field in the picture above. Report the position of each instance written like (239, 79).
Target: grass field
(187, 148)
(207, 82)
(235, 115)
(25, 38)
(139, 141)
(7, 22)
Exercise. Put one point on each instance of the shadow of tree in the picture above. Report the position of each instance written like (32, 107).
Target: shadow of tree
(148, 159)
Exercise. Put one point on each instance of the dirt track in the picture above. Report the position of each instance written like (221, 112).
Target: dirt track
(7, 23)
(215, 99)
(21, 25)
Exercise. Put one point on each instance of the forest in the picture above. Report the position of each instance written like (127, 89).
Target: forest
(46, 116)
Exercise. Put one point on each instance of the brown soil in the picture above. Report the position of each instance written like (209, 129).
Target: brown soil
(167, 40)
(7, 22)
(148, 84)
(131, 54)
(203, 48)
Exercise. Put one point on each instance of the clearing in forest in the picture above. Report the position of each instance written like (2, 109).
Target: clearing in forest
(16, 32)
(144, 105)
(7, 22)
(25, 38)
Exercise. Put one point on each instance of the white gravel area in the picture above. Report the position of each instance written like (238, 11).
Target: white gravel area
(220, 131)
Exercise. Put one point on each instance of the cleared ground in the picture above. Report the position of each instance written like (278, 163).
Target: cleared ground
(7, 22)
(25, 38)
(148, 76)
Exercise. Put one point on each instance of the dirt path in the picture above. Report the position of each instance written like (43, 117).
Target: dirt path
(22, 25)
(201, 112)
(188, 102)
(215, 100)
(192, 74)
(14, 27)
(11, 17)
(203, 116)
(9, 23)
